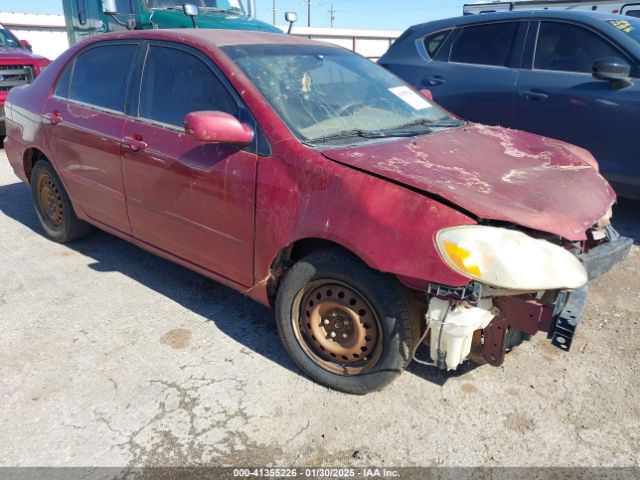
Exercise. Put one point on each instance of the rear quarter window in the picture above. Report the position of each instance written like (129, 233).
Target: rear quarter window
(433, 42)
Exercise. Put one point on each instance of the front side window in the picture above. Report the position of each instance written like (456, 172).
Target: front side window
(570, 48)
(485, 44)
(101, 76)
(329, 95)
(175, 83)
(224, 5)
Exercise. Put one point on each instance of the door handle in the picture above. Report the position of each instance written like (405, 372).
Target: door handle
(53, 118)
(535, 95)
(433, 81)
(134, 143)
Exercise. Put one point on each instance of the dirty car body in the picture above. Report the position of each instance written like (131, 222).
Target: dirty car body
(318, 183)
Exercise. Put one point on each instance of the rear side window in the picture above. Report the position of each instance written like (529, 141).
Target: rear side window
(101, 76)
(570, 48)
(485, 44)
(175, 83)
(634, 13)
(433, 42)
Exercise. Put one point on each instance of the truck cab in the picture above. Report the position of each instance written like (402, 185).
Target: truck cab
(18, 66)
(85, 18)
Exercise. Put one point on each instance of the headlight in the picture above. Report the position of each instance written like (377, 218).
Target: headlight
(509, 259)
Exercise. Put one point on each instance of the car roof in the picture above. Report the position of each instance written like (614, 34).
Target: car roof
(592, 18)
(212, 37)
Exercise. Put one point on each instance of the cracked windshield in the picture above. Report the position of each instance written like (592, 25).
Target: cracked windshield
(328, 95)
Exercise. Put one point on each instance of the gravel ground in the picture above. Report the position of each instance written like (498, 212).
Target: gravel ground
(113, 357)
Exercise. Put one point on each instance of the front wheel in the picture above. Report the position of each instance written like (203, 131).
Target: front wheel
(345, 325)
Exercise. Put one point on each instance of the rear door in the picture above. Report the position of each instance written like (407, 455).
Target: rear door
(192, 199)
(83, 124)
(478, 81)
(559, 98)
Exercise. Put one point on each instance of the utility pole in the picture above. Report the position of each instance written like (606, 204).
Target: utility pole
(308, 13)
(332, 12)
(274, 12)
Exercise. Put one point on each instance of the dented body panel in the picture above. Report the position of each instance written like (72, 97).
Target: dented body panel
(498, 174)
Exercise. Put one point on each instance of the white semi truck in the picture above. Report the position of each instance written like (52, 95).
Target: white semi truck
(604, 6)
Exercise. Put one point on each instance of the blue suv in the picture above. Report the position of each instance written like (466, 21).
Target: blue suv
(574, 76)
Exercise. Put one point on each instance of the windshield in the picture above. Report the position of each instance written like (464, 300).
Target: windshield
(330, 94)
(226, 5)
(7, 39)
(630, 26)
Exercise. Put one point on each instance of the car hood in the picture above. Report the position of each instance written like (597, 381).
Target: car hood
(495, 174)
(16, 53)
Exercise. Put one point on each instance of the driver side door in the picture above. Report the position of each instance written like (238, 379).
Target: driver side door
(191, 199)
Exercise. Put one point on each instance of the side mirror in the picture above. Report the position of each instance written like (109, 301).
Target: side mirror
(109, 7)
(191, 10)
(217, 127)
(291, 18)
(26, 44)
(427, 93)
(614, 70)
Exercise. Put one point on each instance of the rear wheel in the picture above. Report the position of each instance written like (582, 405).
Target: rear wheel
(345, 325)
(53, 206)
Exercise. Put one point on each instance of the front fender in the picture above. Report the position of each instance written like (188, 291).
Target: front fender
(390, 227)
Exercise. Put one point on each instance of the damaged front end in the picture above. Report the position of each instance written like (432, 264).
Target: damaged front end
(519, 284)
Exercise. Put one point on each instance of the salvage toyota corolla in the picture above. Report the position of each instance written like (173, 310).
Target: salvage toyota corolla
(320, 184)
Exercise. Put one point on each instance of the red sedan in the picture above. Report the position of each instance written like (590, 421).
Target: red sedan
(320, 184)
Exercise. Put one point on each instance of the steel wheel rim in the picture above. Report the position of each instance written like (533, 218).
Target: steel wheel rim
(50, 201)
(337, 328)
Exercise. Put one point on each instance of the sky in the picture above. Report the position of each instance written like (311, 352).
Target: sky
(365, 14)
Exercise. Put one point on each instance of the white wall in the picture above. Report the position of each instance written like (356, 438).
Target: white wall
(46, 33)
(369, 43)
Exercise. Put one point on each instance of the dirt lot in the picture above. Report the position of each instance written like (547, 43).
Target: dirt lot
(110, 357)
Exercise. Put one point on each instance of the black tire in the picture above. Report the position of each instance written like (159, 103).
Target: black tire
(394, 309)
(53, 206)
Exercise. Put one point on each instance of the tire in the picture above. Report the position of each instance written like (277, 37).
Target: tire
(375, 320)
(53, 207)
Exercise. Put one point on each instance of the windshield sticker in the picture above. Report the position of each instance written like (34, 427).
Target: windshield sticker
(623, 25)
(235, 4)
(410, 97)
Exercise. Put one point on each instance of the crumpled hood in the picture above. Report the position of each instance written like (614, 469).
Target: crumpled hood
(496, 174)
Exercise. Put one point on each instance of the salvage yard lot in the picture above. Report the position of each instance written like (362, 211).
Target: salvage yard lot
(111, 356)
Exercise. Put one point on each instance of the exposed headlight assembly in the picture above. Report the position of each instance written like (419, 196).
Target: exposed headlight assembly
(509, 259)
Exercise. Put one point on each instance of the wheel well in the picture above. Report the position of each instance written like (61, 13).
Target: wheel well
(31, 156)
(290, 255)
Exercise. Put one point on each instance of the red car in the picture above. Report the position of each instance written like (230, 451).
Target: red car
(320, 184)
(18, 66)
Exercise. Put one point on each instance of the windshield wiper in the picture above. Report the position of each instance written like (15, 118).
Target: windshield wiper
(430, 124)
(347, 134)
